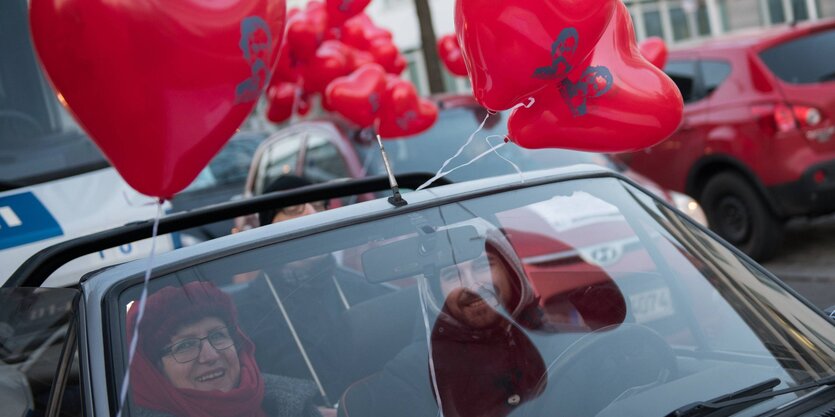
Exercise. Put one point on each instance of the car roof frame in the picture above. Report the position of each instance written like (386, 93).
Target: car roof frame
(34, 271)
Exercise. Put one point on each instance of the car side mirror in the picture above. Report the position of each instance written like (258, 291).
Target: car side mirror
(423, 254)
(830, 312)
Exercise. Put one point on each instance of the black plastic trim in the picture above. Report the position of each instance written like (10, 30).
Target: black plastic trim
(35, 270)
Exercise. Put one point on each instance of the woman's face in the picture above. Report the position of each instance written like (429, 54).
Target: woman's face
(212, 369)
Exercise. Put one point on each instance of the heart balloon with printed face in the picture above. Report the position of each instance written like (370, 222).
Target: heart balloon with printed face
(404, 113)
(515, 48)
(615, 101)
(358, 97)
(159, 85)
(654, 49)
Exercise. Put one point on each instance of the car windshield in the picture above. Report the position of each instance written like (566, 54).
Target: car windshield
(430, 149)
(581, 297)
(39, 140)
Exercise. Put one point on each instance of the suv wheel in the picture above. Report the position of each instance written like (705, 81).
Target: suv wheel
(737, 213)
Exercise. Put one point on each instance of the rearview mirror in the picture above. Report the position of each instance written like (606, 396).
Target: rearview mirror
(424, 254)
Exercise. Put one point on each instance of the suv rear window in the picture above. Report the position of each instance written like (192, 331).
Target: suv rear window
(802, 60)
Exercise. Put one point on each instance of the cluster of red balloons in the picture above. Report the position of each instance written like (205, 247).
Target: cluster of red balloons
(579, 64)
(335, 50)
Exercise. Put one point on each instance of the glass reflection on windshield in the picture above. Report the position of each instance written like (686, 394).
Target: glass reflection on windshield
(586, 297)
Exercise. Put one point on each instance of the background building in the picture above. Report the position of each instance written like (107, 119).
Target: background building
(677, 21)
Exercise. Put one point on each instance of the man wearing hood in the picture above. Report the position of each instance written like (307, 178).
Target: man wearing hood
(482, 363)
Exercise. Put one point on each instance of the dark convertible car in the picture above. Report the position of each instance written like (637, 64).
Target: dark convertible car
(566, 292)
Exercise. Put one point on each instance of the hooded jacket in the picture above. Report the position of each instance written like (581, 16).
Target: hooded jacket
(486, 372)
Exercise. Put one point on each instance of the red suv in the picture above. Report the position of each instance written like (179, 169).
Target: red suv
(757, 143)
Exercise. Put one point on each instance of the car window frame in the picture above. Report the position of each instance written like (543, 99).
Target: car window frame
(698, 93)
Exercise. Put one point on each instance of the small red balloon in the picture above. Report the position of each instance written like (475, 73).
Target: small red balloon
(358, 97)
(341, 10)
(404, 113)
(450, 53)
(654, 49)
(160, 86)
(280, 99)
(306, 31)
(615, 101)
(330, 61)
(514, 49)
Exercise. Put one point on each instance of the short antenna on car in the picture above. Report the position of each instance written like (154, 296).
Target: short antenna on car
(396, 199)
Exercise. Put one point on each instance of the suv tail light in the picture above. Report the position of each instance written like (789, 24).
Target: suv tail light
(782, 117)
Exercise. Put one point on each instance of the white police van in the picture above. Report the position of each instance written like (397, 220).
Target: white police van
(54, 183)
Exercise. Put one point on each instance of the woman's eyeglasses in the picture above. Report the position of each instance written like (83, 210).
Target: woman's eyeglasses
(187, 350)
(299, 208)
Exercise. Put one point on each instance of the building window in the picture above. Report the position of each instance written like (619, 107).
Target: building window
(776, 12)
(652, 23)
(681, 27)
(799, 9)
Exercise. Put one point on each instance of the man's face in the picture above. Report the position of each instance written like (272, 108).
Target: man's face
(475, 290)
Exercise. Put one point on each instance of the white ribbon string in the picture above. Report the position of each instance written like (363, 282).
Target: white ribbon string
(504, 138)
(460, 150)
(297, 96)
(123, 393)
(531, 102)
(441, 173)
(427, 328)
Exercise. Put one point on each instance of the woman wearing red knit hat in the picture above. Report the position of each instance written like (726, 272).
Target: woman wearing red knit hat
(193, 360)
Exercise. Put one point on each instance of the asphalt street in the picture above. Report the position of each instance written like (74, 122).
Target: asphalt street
(807, 260)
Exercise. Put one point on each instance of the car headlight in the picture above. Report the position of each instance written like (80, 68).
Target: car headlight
(689, 206)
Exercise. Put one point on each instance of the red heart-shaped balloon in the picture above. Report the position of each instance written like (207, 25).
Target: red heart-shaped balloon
(404, 113)
(615, 102)
(159, 85)
(450, 53)
(341, 10)
(331, 60)
(280, 99)
(385, 53)
(514, 49)
(654, 49)
(358, 97)
(360, 31)
(306, 31)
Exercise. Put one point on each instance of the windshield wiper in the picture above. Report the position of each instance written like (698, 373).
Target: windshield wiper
(729, 404)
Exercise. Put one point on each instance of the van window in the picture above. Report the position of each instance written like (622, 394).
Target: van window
(801, 61)
(714, 73)
(39, 140)
(683, 73)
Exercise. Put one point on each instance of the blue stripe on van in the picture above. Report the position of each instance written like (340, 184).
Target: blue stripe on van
(24, 219)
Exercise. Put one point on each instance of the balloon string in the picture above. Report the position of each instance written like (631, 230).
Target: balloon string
(530, 103)
(460, 150)
(297, 96)
(443, 174)
(495, 150)
(123, 394)
(422, 295)
(133, 203)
